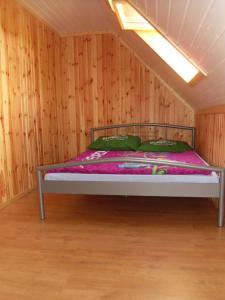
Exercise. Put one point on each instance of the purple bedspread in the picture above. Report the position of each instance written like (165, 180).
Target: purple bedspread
(135, 168)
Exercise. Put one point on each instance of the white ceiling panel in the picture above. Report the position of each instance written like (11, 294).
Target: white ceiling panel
(209, 32)
(175, 21)
(164, 16)
(71, 16)
(152, 9)
(142, 4)
(194, 19)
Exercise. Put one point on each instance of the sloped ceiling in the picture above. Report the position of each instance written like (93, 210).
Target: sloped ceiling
(70, 17)
(196, 26)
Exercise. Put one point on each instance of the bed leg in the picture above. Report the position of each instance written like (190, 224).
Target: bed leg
(220, 221)
(41, 196)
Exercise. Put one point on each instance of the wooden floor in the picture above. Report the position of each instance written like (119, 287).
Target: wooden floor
(111, 248)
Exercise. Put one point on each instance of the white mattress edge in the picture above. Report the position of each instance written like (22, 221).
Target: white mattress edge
(213, 178)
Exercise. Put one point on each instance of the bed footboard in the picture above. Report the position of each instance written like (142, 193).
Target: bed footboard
(138, 189)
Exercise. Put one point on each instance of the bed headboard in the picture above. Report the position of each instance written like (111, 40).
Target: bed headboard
(148, 131)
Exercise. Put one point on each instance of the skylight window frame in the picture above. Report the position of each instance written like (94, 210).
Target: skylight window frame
(114, 3)
(201, 73)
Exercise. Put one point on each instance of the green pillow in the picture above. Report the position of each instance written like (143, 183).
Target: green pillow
(120, 142)
(164, 146)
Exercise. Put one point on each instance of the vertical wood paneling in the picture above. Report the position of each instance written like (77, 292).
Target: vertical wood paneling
(210, 135)
(53, 90)
(113, 87)
(29, 59)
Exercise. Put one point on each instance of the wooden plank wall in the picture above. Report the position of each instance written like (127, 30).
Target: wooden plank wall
(29, 69)
(210, 125)
(53, 90)
(103, 83)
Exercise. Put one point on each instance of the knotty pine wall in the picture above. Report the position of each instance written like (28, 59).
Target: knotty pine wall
(53, 90)
(210, 125)
(103, 82)
(29, 91)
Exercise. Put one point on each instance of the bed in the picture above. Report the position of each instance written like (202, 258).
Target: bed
(87, 175)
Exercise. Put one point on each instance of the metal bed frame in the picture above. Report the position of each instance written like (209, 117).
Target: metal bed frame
(134, 188)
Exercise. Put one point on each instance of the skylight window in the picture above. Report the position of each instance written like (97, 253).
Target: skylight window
(131, 19)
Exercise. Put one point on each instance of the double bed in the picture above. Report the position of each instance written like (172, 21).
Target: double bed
(131, 173)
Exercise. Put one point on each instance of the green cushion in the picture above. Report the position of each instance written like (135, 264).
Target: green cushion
(164, 146)
(120, 142)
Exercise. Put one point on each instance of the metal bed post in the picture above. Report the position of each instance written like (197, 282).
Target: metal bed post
(41, 195)
(193, 137)
(92, 134)
(220, 220)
